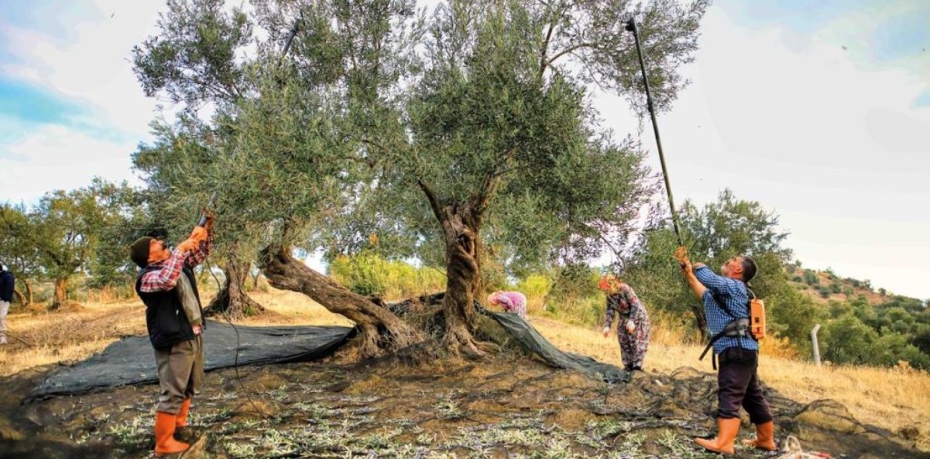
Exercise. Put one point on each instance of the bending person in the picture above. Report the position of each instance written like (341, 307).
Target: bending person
(633, 326)
(514, 302)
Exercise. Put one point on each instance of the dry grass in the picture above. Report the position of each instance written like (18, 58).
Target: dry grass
(43, 338)
(290, 308)
(889, 398)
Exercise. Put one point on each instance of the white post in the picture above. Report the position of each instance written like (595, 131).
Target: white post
(816, 345)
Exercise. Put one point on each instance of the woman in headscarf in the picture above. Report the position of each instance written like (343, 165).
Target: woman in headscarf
(633, 323)
(514, 302)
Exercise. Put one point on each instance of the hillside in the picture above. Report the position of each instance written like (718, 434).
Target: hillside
(825, 286)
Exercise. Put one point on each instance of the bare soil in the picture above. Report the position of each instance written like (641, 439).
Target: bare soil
(419, 403)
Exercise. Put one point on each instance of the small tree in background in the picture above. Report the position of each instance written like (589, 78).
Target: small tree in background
(718, 231)
(67, 228)
(18, 249)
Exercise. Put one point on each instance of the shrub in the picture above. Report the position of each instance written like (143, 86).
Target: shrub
(578, 310)
(368, 274)
(810, 277)
(536, 287)
(848, 341)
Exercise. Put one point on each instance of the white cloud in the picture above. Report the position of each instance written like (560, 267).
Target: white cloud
(57, 157)
(838, 151)
(95, 66)
(92, 67)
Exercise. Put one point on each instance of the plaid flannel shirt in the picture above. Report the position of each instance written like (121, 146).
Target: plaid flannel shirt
(166, 277)
(736, 297)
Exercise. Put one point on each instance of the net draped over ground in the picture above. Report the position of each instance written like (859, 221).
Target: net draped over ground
(130, 360)
(530, 339)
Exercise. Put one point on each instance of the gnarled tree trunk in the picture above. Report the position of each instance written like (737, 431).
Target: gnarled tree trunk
(463, 277)
(28, 292)
(20, 297)
(61, 290)
(232, 297)
(287, 273)
(461, 226)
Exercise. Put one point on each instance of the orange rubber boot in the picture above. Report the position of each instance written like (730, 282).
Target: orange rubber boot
(765, 437)
(726, 433)
(182, 413)
(165, 423)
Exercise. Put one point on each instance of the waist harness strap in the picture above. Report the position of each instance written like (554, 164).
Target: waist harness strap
(739, 328)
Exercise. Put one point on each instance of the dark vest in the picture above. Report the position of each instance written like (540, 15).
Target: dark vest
(164, 314)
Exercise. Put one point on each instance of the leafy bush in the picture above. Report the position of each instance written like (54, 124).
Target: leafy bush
(891, 348)
(848, 341)
(839, 309)
(578, 310)
(368, 274)
(576, 280)
(43, 292)
(536, 287)
(811, 278)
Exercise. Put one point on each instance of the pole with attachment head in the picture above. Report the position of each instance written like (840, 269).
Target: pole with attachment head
(630, 25)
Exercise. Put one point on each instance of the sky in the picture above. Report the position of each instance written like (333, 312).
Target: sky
(819, 110)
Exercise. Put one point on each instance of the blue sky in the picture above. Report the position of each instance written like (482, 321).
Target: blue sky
(28, 104)
(818, 109)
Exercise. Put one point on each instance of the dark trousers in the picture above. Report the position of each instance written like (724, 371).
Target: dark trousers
(738, 385)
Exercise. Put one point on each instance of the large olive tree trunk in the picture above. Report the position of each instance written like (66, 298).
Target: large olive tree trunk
(379, 329)
(463, 279)
(232, 298)
(61, 294)
(461, 225)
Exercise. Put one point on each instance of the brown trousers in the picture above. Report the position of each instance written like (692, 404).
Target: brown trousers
(180, 373)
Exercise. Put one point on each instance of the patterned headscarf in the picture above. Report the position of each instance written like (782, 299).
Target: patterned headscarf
(609, 284)
(492, 298)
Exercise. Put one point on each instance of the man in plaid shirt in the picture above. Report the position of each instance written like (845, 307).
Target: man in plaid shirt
(726, 299)
(174, 319)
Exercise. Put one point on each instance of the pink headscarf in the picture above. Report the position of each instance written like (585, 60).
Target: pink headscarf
(493, 298)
